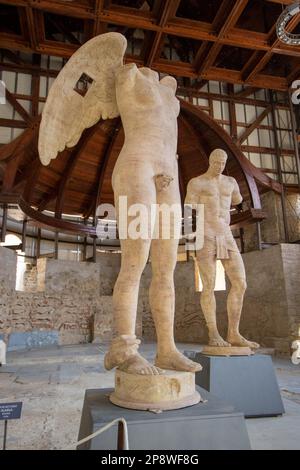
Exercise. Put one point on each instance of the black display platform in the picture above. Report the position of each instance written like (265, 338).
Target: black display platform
(247, 382)
(209, 425)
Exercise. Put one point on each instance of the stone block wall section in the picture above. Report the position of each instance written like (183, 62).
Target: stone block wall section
(272, 228)
(63, 303)
(73, 301)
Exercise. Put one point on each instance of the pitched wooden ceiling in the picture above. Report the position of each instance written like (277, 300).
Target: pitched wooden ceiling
(225, 40)
(232, 41)
(79, 179)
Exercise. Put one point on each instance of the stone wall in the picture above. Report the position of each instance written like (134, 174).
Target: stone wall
(73, 301)
(58, 302)
(272, 228)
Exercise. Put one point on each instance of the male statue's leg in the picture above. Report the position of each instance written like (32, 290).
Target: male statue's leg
(207, 270)
(235, 270)
(123, 352)
(162, 303)
(124, 348)
(164, 250)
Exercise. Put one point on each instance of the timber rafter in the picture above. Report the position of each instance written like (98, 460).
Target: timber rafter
(172, 18)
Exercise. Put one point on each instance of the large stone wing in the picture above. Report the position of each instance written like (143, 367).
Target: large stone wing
(83, 92)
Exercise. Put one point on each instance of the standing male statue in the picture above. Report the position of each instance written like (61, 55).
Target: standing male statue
(146, 173)
(217, 193)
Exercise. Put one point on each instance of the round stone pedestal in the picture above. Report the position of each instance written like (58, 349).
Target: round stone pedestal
(169, 391)
(227, 351)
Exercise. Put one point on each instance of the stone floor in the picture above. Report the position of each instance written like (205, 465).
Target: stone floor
(51, 384)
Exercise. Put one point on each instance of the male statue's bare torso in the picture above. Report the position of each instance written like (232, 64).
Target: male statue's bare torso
(216, 194)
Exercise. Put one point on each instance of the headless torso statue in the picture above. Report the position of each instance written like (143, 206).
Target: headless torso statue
(217, 193)
(147, 173)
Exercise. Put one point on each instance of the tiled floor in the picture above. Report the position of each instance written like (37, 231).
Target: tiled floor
(51, 384)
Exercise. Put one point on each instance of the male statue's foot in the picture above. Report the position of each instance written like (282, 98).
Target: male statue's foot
(217, 340)
(238, 340)
(175, 360)
(138, 365)
(121, 349)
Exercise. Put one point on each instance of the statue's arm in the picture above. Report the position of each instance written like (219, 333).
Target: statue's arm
(236, 194)
(192, 195)
(126, 75)
(190, 209)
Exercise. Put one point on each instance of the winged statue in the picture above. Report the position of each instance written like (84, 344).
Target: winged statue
(146, 172)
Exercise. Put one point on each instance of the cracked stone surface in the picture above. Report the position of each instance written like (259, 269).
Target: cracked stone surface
(51, 384)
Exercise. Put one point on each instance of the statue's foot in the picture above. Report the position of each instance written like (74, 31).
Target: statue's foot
(238, 340)
(217, 340)
(138, 365)
(175, 360)
(121, 349)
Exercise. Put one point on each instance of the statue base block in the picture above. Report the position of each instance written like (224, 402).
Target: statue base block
(169, 391)
(247, 382)
(209, 425)
(226, 351)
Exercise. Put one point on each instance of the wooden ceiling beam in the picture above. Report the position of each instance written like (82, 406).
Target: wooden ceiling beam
(35, 87)
(12, 56)
(167, 11)
(57, 191)
(12, 123)
(282, 2)
(257, 62)
(18, 107)
(91, 211)
(260, 81)
(246, 92)
(231, 11)
(11, 149)
(132, 18)
(30, 16)
(32, 179)
(155, 49)
(28, 68)
(218, 96)
(99, 27)
(210, 59)
(254, 125)
(294, 75)
(102, 170)
(59, 25)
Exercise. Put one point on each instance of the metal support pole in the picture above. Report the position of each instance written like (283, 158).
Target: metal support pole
(38, 244)
(242, 240)
(280, 178)
(56, 246)
(24, 227)
(258, 232)
(94, 249)
(4, 223)
(5, 435)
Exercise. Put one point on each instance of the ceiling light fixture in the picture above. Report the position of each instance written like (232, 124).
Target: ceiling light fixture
(283, 20)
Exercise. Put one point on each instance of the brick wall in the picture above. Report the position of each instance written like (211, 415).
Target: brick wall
(76, 302)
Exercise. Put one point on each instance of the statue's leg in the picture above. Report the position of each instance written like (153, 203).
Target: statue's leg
(162, 303)
(123, 350)
(235, 270)
(207, 270)
(162, 295)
